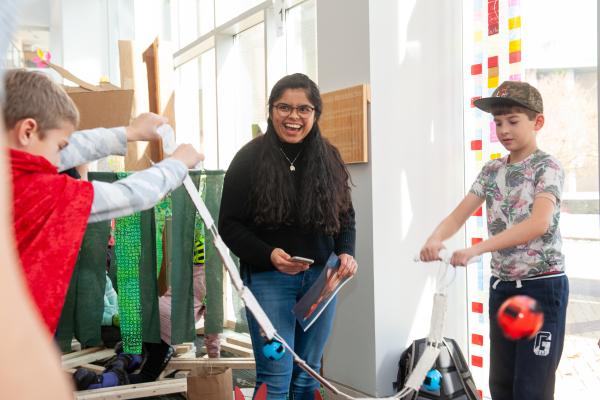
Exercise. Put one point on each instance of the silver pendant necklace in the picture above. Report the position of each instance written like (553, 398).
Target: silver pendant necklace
(292, 167)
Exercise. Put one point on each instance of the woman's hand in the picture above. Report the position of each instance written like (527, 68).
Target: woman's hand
(431, 250)
(283, 262)
(348, 266)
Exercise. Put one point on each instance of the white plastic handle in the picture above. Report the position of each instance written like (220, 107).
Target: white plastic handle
(446, 256)
(168, 137)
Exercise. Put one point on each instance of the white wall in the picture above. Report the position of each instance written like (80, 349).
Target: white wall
(343, 60)
(418, 165)
(414, 178)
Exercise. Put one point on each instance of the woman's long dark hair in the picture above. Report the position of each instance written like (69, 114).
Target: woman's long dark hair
(324, 202)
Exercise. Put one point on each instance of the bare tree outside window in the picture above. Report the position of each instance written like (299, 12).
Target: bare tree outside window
(571, 129)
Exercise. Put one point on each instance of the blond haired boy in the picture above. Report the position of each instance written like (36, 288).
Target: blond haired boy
(51, 210)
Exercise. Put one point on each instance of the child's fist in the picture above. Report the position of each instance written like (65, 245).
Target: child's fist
(431, 250)
(143, 127)
(187, 155)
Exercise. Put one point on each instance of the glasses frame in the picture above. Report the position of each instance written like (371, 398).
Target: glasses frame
(302, 114)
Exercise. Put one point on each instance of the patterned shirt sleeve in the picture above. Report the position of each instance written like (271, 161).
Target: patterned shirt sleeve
(137, 192)
(478, 187)
(91, 145)
(549, 178)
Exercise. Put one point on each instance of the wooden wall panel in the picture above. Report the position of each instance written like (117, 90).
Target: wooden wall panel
(344, 121)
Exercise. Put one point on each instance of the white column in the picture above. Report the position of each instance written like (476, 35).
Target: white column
(410, 52)
(418, 167)
(343, 60)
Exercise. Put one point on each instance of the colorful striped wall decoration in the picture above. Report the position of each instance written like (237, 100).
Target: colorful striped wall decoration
(493, 17)
(492, 53)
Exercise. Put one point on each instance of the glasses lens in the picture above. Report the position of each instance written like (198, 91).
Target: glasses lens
(305, 110)
(283, 109)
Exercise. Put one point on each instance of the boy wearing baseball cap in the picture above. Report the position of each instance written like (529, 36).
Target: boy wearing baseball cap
(522, 192)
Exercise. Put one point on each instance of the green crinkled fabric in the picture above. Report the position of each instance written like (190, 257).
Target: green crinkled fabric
(128, 251)
(137, 259)
(213, 189)
(81, 315)
(181, 274)
(162, 211)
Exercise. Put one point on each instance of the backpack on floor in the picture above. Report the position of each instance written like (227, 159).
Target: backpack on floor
(456, 382)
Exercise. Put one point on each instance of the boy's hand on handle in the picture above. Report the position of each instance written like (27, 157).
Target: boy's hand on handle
(431, 250)
(283, 262)
(187, 155)
(462, 257)
(348, 266)
(143, 127)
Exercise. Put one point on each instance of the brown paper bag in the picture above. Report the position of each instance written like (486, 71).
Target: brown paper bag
(210, 384)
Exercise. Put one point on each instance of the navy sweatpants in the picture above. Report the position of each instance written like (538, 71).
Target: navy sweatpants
(525, 369)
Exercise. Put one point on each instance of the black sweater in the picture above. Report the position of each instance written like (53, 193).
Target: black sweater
(253, 244)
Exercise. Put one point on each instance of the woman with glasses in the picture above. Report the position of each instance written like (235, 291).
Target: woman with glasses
(286, 194)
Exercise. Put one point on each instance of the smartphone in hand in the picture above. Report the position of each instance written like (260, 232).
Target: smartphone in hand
(303, 260)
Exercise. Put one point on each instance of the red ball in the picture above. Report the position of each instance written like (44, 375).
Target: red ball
(520, 317)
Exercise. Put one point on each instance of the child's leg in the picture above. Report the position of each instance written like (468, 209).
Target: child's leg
(157, 358)
(502, 350)
(538, 358)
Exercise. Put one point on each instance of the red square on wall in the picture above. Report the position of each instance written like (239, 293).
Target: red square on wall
(477, 339)
(474, 241)
(475, 144)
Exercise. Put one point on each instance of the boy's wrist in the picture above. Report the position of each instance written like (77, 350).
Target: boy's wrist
(478, 249)
(434, 238)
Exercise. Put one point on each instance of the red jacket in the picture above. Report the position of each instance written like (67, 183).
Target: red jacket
(50, 213)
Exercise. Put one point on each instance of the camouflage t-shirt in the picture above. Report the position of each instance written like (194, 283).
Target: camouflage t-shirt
(509, 191)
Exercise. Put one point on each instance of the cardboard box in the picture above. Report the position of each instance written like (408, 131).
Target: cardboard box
(102, 105)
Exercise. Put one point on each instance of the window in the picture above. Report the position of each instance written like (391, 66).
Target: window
(566, 75)
(193, 18)
(301, 39)
(247, 104)
(228, 10)
(196, 106)
(510, 39)
(222, 67)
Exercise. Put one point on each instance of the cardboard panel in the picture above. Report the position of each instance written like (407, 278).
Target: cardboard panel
(105, 109)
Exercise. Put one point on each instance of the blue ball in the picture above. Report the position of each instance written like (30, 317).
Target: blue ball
(433, 379)
(273, 350)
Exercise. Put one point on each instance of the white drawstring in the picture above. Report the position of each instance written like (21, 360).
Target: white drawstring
(496, 282)
(519, 282)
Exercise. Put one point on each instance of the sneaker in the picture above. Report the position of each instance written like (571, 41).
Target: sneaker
(83, 378)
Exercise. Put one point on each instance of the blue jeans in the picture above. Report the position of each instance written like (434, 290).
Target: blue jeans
(277, 293)
(525, 369)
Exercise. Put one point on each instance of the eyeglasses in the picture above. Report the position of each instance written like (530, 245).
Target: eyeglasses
(285, 109)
